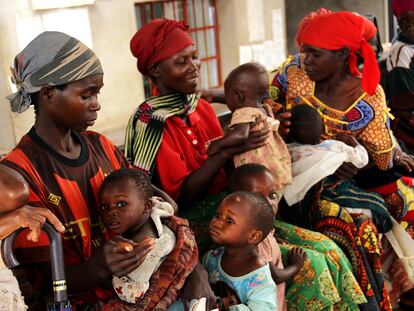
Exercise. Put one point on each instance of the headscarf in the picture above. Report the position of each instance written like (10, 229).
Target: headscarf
(401, 6)
(159, 40)
(52, 58)
(336, 30)
(305, 21)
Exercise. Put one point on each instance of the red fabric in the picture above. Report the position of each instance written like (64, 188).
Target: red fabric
(159, 40)
(178, 156)
(336, 30)
(401, 6)
(305, 21)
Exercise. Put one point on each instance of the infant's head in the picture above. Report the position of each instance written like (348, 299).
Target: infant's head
(253, 177)
(242, 218)
(246, 86)
(125, 200)
(306, 125)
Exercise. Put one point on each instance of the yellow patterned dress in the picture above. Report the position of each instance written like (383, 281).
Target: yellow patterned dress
(367, 120)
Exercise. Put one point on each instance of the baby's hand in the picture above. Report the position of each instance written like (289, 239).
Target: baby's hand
(296, 257)
(347, 139)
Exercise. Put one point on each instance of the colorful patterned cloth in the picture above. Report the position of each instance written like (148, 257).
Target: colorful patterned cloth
(170, 277)
(145, 128)
(326, 281)
(273, 154)
(366, 119)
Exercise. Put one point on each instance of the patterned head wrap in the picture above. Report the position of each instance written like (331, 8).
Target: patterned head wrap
(336, 30)
(52, 58)
(401, 6)
(159, 40)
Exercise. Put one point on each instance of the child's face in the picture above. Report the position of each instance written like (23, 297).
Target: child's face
(231, 225)
(123, 206)
(264, 184)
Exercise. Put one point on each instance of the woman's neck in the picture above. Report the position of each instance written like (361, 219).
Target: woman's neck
(339, 91)
(58, 138)
(332, 84)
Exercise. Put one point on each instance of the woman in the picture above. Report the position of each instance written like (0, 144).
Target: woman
(64, 167)
(326, 77)
(167, 137)
(168, 134)
(399, 78)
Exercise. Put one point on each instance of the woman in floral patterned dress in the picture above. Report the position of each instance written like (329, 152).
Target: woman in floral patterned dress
(326, 77)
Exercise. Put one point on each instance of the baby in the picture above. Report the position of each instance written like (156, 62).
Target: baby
(313, 160)
(245, 89)
(242, 221)
(258, 179)
(128, 208)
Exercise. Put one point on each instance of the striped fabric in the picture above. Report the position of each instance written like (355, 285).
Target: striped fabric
(146, 126)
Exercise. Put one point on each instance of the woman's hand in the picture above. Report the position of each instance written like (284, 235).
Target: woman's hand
(257, 138)
(347, 139)
(29, 217)
(284, 119)
(404, 160)
(196, 286)
(120, 256)
(346, 171)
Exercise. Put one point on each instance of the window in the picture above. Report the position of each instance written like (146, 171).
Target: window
(202, 19)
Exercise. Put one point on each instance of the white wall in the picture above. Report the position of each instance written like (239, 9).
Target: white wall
(112, 24)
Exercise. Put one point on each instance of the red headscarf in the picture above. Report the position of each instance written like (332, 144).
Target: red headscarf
(336, 30)
(305, 21)
(159, 40)
(401, 6)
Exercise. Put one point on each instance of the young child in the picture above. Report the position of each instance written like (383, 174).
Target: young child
(129, 208)
(258, 179)
(242, 221)
(313, 160)
(245, 88)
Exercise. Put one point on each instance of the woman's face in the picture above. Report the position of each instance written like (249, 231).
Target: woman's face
(406, 23)
(179, 73)
(321, 64)
(75, 107)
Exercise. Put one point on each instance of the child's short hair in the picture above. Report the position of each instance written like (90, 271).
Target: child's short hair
(141, 180)
(239, 174)
(261, 211)
(306, 125)
(236, 75)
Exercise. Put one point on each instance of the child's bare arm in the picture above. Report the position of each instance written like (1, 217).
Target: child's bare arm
(235, 136)
(296, 258)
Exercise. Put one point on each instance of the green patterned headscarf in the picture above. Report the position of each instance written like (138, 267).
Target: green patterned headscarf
(52, 58)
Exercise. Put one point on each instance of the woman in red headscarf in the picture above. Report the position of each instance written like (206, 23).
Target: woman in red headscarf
(325, 76)
(168, 134)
